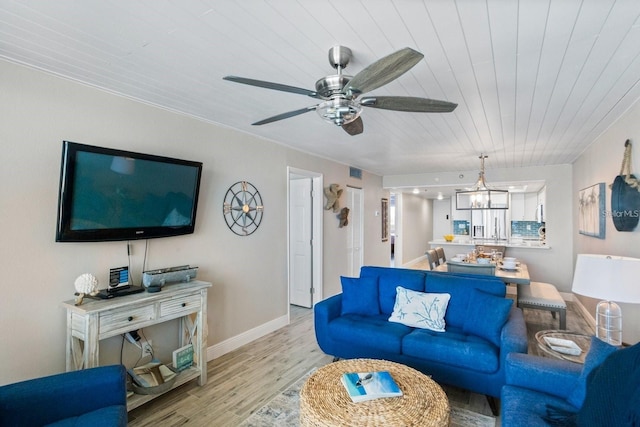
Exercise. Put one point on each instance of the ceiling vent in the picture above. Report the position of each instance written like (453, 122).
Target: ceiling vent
(355, 172)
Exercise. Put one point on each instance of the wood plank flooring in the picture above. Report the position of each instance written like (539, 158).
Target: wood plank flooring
(242, 381)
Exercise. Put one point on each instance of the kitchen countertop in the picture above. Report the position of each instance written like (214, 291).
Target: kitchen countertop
(527, 244)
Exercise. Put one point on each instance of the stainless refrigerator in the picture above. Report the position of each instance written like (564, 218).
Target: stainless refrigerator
(489, 224)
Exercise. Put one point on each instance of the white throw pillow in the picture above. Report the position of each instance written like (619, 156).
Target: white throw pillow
(419, 309)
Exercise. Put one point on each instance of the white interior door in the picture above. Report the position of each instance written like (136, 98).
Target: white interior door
(300, 242)
(355, 203)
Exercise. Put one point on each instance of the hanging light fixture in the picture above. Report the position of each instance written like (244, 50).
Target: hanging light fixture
(481, 196)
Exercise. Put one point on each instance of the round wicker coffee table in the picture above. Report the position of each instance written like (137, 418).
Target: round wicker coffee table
(325, 402)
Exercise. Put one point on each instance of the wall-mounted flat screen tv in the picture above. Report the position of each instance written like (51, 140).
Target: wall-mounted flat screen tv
(109, 194)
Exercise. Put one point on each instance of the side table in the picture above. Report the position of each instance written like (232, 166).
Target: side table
(96, 320)
(583, 341)
(325, 402)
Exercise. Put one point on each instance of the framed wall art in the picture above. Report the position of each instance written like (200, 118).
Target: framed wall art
(385, 219)
(591, 201)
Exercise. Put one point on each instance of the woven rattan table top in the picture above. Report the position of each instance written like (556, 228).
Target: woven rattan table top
(325, 402)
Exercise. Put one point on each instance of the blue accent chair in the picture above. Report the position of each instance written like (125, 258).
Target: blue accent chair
(604, 392)
(92, 397)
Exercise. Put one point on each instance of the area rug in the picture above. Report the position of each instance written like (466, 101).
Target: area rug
(283, 411)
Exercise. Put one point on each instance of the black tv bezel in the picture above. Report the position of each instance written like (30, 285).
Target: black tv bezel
(64, 233)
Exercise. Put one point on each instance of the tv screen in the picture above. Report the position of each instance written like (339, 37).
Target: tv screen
(108, 194)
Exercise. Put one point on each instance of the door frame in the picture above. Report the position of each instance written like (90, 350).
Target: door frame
(316, 233)
(398, 255)
(356, 226)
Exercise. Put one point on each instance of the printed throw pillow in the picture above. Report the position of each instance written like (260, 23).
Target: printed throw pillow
(486, 315)
(598, 352)
(419, 309)
(360, 296)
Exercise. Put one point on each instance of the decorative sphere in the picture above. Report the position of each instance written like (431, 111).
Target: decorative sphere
(86, 284)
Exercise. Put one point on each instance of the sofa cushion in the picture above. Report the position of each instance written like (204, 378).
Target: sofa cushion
(486, 315)
(459, 286)
(375, 332)
(360, 295)
(453, 347)
(108, 416)
(419, 309)
(598, 352)
(389, 279)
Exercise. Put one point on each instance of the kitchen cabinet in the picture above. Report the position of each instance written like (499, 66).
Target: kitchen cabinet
(523, 206)
(542, 201)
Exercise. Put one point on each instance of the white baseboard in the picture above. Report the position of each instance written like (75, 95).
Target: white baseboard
(233, 343)
(585, 313)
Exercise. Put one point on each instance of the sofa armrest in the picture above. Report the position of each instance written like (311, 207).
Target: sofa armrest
(324, 312)
(327, 310)
(513, 338)
(49, 399)
(552, 376)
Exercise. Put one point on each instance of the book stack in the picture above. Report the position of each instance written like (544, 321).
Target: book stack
(363, 386)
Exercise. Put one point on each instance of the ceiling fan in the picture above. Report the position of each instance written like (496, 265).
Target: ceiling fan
(340, 94)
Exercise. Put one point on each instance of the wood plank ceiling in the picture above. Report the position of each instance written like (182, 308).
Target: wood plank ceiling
(536, 80)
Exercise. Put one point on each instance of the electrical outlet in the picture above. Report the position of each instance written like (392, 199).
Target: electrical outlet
(147, 349)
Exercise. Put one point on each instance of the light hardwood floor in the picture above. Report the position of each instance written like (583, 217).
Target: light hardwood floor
(243, 380)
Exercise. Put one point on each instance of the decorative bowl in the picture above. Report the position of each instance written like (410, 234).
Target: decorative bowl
(448, 237)
(481, 260)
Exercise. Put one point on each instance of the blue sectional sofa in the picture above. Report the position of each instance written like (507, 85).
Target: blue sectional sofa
(481, 326)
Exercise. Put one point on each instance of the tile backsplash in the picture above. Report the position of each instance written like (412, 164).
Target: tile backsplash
(526, 229)
(460, 227)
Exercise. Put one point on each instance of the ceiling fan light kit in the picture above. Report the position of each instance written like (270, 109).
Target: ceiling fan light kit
(339, 92)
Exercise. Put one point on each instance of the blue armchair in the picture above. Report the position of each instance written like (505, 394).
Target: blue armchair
(604, 392)
(91, 397)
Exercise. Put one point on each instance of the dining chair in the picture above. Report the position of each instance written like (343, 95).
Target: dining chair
(483, 269)
(432, 257)
(441, 257)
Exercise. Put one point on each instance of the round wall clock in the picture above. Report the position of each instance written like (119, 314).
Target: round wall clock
(243, 208)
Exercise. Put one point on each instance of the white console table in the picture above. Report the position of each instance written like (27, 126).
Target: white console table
(96, 320)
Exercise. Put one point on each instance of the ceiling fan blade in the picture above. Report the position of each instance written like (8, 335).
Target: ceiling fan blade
(408, 103)
(271, 85)
(285, 115)
(383, 71)
(355, 127)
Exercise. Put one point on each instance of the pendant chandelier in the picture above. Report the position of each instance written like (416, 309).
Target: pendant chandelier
(481, 196)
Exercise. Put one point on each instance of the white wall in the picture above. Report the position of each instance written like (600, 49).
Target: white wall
(442, 221)
(249, 274)
(417, 226)
(601, 163)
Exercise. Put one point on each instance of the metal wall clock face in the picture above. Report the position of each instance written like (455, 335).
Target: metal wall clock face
(243, 208)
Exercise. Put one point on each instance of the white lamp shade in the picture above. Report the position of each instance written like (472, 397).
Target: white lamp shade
(606, 277)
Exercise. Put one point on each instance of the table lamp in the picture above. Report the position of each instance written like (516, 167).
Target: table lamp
(609, 278)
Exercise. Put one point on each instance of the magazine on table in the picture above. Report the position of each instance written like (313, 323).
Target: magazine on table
(151, 374)
(363, 386)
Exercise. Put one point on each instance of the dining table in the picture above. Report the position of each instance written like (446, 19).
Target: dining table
(519, 275)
